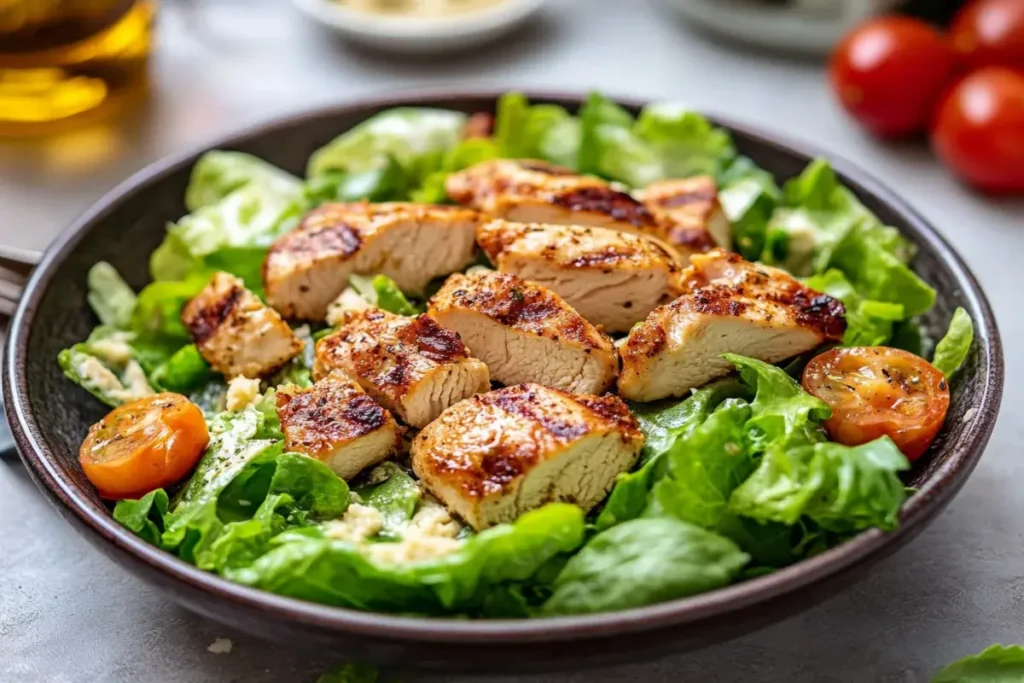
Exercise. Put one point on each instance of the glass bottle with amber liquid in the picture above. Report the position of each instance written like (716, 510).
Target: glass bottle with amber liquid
(64, 61)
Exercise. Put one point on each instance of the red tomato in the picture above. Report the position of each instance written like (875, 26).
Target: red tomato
(979, 130)
(878, 391)
(990, 32)
(889, 72)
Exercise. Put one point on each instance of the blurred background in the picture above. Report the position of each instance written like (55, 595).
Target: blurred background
(91, 91)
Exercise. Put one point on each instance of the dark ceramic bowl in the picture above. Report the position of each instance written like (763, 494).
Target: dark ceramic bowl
(49, 417)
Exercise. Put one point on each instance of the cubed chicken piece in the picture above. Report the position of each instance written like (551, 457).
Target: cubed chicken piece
(530, 191)
(524, 332)
(412, 366)
(614, 279)
(691, 218)
(307, 268)
(235, 332)
(499, 455)
(732, 306)
(335, 422)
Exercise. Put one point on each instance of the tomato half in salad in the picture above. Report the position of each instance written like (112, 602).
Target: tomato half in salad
(144, 445)
(879, 391)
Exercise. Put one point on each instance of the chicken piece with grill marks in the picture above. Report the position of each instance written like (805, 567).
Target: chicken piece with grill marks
(613, 279)
(691, 218)
(498, 455)
(235, 332)
(307, 268)
(412, 366)
(729, 306)
(335, 422)
(524, 332)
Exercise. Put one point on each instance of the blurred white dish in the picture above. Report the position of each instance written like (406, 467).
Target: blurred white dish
(420, 35)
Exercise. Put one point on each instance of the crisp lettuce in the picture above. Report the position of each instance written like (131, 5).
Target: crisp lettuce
(382, 292)
(840, 488)
(385, 183)
(538, 131)
(412, 136)
(108, 365)
(868, 322)
(110, 296)
(183, 372)
(995, 664)
(952, 349)
(641, 562)
(219, 173)
(314, 567)
(686, 143)
(395, 494)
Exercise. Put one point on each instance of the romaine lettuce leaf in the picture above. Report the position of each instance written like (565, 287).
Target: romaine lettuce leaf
(383, 293)
(157, 314)
(395, 494)
(642, 562)
(748, 204)
(185, 371)
(107, 365)
(385, 183)
(110, 296)
(952, 349)
(314, 567)
(219, 173)
(843, 489)
(868, 322)
(405, 134)
(995, 664)
(686, 143)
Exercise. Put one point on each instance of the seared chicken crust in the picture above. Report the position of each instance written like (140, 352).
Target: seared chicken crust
(614, 279)
(412, 366)
(689, 213)
(524, 332)
(730, 305)
(235, 332)
(335, 422)
(307, 268)
(495, 456)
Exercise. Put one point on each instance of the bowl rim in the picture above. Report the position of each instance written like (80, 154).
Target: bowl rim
(943, 483)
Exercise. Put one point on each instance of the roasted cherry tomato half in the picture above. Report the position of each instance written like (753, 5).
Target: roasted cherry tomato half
(878, 391)
(989, 33)
(889, 72)
(979, 130)
(144, 445)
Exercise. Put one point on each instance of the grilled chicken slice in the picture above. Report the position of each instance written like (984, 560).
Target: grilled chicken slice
(525, 333)
(613, 279)
(235, 332)
(691, 218)
(498, 455)
(335, 422)
(731, 306)
(307, 268)
(412, 366)
(531, 191)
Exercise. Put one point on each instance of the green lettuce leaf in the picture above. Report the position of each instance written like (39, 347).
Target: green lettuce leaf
(382, 292)
(395, 494)
(782, 413)
(840, 488)
(314, 567)
(748, 203)
(108, 365)
(110, 296)
(219, 173)
(385, 183)
(144, 517)
(996, 664)
(686, 143)
(868, 322)
(157, 314)
(409, 135)
(185, 371)
(610, 148)
(351, 673)
(952, 349)
(642, 562)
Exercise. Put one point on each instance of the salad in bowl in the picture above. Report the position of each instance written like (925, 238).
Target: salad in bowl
(526, 364)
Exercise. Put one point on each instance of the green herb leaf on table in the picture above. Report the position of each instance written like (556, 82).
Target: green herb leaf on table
(996, 664)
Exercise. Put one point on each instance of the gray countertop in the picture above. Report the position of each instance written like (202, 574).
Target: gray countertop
(69, 614)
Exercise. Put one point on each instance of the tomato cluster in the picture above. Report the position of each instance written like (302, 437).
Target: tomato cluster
(900, 76)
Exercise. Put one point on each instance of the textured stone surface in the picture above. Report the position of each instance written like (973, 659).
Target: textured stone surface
(69, 614)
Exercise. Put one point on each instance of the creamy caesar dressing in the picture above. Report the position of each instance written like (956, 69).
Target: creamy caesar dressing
(430, 534)
(426, 9)
(96, 376)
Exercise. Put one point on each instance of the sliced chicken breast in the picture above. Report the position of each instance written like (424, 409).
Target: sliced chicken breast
(335, 422)
(498, 455)
(235, 332)
(532, 191)
(731, 305)
(691, 218)
(613, 279)
(524, 332)
(412, 366)
(307, 268)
